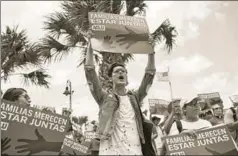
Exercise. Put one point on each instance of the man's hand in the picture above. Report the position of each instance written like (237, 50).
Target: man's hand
(32, 146)
(191, 133)
(131, 38)
(104, 137)
(107, 41)
(5, 144)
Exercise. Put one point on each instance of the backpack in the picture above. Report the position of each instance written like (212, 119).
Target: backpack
(235, 119)
(234, 113)
(179, 125)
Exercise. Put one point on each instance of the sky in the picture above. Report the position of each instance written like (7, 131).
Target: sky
(204, 59)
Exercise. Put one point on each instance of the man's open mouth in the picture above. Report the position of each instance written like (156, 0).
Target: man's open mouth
(121, 77)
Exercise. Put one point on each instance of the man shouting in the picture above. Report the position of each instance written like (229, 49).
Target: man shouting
(122, 127)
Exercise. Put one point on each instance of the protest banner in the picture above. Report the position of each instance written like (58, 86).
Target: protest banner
(27, 130)
(71, 147)
(158, 106)
(88, 137)
(213, 141)
(209, 95)
(211, 99)
(234, 99)
(119, 34)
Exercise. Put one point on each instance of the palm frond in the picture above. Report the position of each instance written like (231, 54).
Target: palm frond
(77, 12)
(165, 32)
(17, 52)
(117, 6)
(82, 120)
(50, 48)
(37, 77)
(127, 57)
(135, 7)
(59, 24)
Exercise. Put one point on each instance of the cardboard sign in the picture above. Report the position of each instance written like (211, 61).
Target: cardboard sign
(213, 141)
(158, 106)
(89, 136)
(234, 98)
(211, 99)
(119, 34)
(70, 147)
(209, 95)
(27, 130)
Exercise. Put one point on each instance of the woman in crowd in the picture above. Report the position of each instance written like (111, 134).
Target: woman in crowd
(18, 95)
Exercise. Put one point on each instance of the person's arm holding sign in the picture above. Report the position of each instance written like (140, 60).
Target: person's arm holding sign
(168, 123)
(147, 79)
(97, 91)
(91, 76)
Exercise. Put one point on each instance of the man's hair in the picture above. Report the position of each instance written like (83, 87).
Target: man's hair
(155, 118)
(12, 94)
(110, 70)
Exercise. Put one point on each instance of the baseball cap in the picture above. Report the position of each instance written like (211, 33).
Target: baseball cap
(189, 101)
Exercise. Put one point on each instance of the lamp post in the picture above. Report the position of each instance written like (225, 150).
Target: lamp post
(69, 91)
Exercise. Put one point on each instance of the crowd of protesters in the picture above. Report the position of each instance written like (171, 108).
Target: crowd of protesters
(122, 128)
(184, 117)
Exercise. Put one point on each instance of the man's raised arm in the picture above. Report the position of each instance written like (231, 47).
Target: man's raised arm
(91, 76)
(147, 79)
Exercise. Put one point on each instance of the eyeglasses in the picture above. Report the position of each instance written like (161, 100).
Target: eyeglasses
(120, 70)
(209, 113)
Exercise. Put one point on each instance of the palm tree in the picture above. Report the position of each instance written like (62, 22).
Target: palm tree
(18, 53)
(72, 25)
(82, 120)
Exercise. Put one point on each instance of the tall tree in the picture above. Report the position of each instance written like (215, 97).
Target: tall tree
(72, 25)
(18, 53)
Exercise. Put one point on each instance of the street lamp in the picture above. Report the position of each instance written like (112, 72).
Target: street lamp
(69, 91)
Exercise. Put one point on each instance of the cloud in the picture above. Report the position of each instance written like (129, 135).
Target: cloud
(86, 106)
(212, 82)
(222, 82)
(190, 65)
(59, 77)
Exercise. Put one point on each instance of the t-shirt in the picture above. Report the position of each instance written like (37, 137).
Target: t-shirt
(125, 138)
(199, 124)
(158, 140)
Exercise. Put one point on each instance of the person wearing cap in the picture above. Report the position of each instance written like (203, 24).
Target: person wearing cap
(191, 120)
(175, 113)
